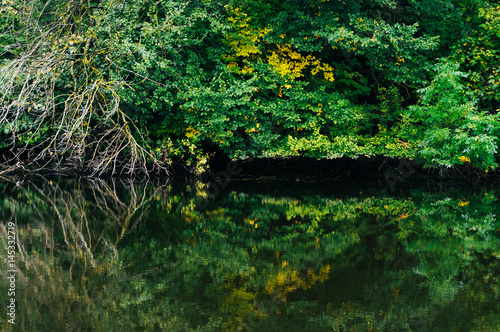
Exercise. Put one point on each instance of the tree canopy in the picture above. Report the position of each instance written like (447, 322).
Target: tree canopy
(122, 85)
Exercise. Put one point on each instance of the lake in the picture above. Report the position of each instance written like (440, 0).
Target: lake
(261, 254)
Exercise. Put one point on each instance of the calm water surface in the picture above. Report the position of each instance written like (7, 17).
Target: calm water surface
(95, 255)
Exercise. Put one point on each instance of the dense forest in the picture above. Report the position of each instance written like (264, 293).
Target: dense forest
(109, 86)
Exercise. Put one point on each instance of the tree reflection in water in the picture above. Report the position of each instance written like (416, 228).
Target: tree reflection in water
(119, 255)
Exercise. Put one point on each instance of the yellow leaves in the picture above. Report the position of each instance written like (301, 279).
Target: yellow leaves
(402, 216)
(191, 132)
(404, 144)
(286, 61)
(244, 41)
(329, 76)
(464, 159)
(232, 65)
(288, 280)
(324, 273)
(280, 92)
(250, 221)
(395, 291)
(244, 47)
(247, 70)
(320, 110)
(264, 31)
(236, 298)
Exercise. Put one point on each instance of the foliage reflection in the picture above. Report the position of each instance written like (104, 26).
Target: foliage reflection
(124, 256)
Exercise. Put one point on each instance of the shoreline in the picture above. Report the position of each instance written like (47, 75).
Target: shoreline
(281, 169)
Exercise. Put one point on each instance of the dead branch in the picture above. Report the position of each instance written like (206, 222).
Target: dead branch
(80, 126)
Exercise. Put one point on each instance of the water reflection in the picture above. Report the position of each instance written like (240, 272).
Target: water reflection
(139, 256)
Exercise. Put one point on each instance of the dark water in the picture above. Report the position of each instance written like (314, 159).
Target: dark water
(262, 255)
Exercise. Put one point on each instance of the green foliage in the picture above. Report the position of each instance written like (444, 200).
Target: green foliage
(13, 29)
(452, 130)
(176, 80)
(477, 52)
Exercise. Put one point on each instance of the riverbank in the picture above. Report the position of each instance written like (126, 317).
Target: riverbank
(308, 169)
(285, 169)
